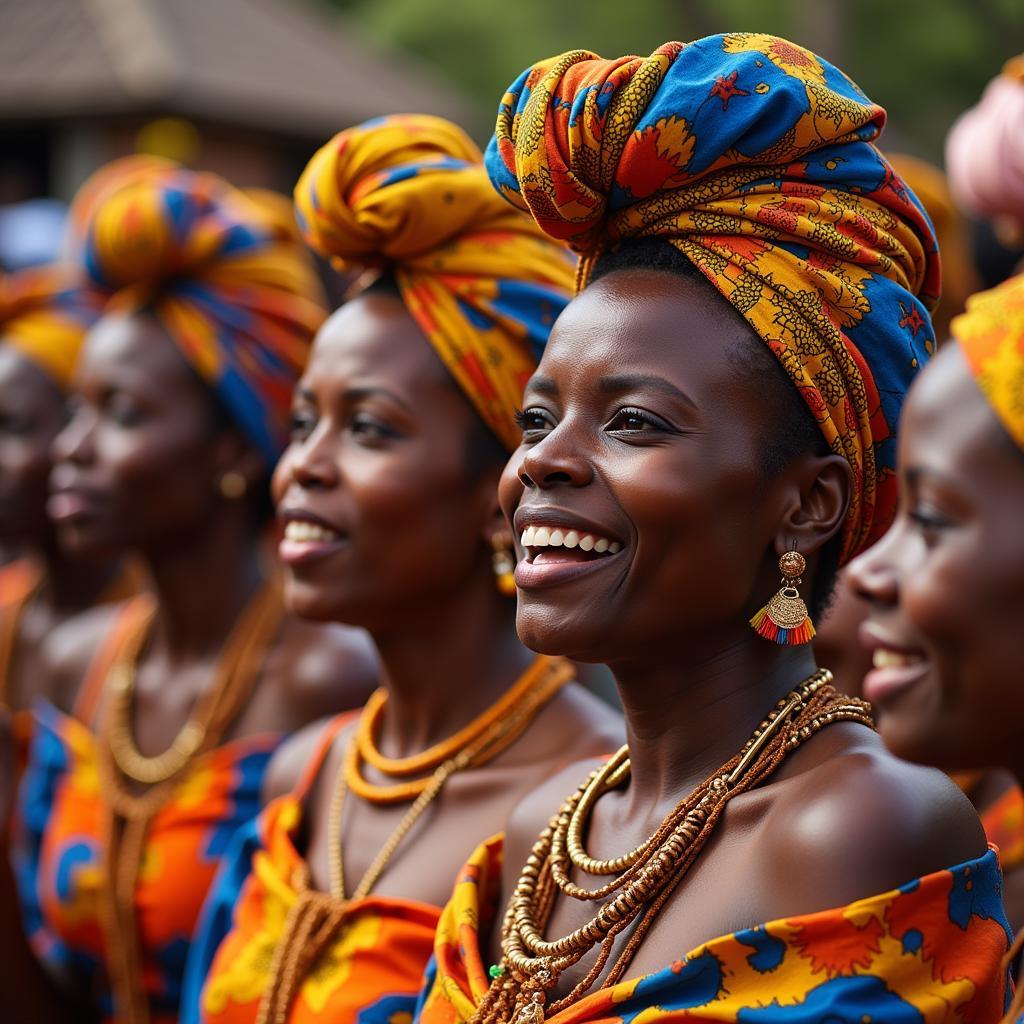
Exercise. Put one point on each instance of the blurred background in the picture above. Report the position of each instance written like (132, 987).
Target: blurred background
(250, 88)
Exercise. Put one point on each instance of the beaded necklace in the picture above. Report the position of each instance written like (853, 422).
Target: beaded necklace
(643, 879)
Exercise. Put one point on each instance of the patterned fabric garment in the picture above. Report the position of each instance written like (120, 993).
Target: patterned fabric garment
(58, 856)
(991, 336)
(754, 158)
(370, 974)
(225, 276)
(1004, 827)
(925, 953)
(409, 195)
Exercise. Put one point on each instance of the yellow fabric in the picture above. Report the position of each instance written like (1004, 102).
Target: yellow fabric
(409, 195)
(991, 335)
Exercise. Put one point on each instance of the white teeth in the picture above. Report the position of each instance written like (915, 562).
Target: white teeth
(541, 537)
(527, 537)
(884, 658)
(586, 542)
(614, 548)
(572, 538)
(302, 531)
(556, 538)
(601, 546)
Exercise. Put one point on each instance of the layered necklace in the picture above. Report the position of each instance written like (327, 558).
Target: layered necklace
(135, 786)
(640, 881)
(315, 917)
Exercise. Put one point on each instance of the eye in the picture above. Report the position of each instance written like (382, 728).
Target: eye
(631, 420)
(122, 409)
(929, 521)
(301, 423)
(533, 421)
(369, 428)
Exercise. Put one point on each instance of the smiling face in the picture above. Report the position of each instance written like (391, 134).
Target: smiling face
(946, 583)
(32, 412)
(641, 435)
(137, 466)
(382, 508)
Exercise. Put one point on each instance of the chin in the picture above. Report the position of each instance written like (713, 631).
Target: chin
(307, 601)
(545, 631)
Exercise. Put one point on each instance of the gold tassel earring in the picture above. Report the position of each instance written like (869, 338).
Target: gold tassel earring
(784, 619)
(504, 564)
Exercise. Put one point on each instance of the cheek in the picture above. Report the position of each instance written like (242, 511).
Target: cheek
(25, 461)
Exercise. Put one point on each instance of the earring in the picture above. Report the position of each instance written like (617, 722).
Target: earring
(233, 485)
(504, 564)
(784, 619)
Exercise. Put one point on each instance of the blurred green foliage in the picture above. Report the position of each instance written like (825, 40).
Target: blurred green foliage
(924, 60)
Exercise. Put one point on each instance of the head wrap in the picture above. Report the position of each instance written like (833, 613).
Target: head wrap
(44, 314)
(952, 232)
(409, 194)
(985, 150)
(991, 335)
(752, 156)
(223, 273)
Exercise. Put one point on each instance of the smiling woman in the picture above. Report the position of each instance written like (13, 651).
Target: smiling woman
(719, 400)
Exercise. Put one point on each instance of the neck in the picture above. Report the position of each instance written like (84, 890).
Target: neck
(445, 662)
(70, 584)
(686, 718)
(202, 583)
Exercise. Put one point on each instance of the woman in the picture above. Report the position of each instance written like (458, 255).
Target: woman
(943, 585)
(747, 255)
(136, 783)
(401, 426)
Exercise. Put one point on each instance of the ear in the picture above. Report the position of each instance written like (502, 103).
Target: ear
(816, 505)
(234, 453)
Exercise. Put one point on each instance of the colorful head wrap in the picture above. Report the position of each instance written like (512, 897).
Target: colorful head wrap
(224, 275)
(991, 335)
(985, 150)
(409, 194)
(44, 314)
(752, 156)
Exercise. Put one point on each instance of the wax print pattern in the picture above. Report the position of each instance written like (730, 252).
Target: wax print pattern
(991, 336)
(1003, 822)
(409, 195)
(58, 860)
(753, 157)
(925, 953)
(226, 278)
(369, 974)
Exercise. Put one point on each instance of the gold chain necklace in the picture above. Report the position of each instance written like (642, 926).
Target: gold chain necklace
(646, 876)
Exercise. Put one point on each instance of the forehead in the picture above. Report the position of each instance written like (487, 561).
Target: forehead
(651, 322)
(132, 346)
(22, 383)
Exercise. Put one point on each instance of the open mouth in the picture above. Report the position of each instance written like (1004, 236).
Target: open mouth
(544, 544)
(304, 540)
(894, 669)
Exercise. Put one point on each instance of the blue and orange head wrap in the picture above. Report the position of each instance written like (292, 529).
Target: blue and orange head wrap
(410, 195)
(225, 276)
(754, 158)
(44, 314)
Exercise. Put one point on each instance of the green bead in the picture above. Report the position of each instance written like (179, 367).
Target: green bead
(496, 970)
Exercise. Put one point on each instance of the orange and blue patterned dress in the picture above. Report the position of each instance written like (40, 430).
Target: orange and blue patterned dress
(370, 973)
(925, 953)
(58, 854)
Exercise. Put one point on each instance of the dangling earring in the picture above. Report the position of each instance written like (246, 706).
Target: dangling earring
(784, 619)
(504, 564)
(233, 485)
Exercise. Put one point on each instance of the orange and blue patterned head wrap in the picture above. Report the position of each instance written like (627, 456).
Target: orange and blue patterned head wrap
(754, 158)
(409, 195)
(227, 279)
(991, 336)
(44, 314)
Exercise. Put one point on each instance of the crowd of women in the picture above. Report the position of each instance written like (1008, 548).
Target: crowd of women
(293, 602)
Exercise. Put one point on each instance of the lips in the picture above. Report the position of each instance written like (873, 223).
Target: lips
(307, 538)
(70, 505)
(896, 667)
(559, 548)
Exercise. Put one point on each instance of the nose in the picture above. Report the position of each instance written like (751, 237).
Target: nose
(874, 575)
(310, 463)
(555, 460)
(74, 443)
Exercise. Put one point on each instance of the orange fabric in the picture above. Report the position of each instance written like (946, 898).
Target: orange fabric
(1004, 826)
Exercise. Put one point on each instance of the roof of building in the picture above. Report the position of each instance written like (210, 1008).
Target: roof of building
(289, 66)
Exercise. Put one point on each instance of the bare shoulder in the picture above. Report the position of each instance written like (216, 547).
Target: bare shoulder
(583, 725)
(288, 765)
(861, 822)
(68, 651)
(327, 667)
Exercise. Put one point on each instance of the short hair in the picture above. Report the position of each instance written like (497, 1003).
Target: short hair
(797, 433)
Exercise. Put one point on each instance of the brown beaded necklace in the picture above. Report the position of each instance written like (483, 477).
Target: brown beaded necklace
(645, 877)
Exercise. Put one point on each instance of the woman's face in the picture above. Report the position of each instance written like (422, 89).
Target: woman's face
(946, 583)
(137, 466)
(380, 508)
(32, 412)
(643, 446)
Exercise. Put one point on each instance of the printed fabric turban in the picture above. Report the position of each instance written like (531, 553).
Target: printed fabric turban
(991, 335)
(985, 151)
(44, 314)
(754, 158)
(409, 195)
(228, 279)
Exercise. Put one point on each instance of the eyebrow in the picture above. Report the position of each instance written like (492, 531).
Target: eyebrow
(915, 474)
(620, 382)
(356, 395)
